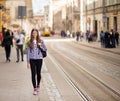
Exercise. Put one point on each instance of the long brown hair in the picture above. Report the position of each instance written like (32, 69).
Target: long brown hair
(32, 38)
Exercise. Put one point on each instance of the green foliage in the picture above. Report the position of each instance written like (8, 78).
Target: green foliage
(26, 44)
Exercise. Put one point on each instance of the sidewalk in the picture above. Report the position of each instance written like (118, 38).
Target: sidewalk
(15, 82)
(97, 45)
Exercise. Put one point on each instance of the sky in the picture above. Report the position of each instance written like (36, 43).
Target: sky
(38, 6)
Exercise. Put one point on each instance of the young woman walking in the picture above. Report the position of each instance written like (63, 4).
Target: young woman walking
(35, 58)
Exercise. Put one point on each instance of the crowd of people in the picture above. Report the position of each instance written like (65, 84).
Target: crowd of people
(16, 38)
(76, 34)
(91, 36)
(109, 39)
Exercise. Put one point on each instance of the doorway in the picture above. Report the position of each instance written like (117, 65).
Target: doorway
(95, 26)
(115, 23)
(108, 23)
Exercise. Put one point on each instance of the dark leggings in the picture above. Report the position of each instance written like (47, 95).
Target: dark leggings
(36, 66)
(7, 52)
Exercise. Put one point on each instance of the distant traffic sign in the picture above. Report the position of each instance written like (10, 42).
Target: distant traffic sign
(21, 12)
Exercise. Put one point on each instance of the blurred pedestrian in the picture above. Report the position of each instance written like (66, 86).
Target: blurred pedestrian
(6, 43)
(77, 35)
(23, 32)
(73, 34)
(63, 34)
(107, 39)
(35, 58)
(90, 36)
(52, 32)
(68, 33)
(1, 38)
(117, 38)
(102, 39)
(19, 39)
(112, 33)
(87, 33)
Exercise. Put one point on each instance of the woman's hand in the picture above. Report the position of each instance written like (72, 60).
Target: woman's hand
(28, 65)
(39, 44)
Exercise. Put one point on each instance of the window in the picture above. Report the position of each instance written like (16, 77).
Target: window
(108, 2)
(107, 23)
(118, 1)
(105, 2)
(90, 4)
(115, 1)
(98, 3)
(111, 2)
(115, 23)
(75, 2)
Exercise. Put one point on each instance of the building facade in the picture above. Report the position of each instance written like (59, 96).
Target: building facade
(100, 15)
(67, 16)
(29, 6)
(14, 22)
(2, 13)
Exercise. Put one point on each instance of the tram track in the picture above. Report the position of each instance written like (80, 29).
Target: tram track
(70, 81)
(104, 58)
(83, 69)
(101, 56)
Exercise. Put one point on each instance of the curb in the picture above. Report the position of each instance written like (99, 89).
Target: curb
(83, 44)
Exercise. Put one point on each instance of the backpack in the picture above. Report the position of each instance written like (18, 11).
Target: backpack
(44, 53)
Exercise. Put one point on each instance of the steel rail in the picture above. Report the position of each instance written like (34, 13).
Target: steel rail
(96, 53)
(69, 80)
(92, 75)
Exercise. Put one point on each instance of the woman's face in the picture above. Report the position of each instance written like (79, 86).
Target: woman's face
(34, 34)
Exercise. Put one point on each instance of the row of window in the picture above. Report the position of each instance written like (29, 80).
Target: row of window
(99, 3)
(110, 2)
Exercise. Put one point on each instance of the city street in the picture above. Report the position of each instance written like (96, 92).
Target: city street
(94, 72)
(71, 72)
(82, 39)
